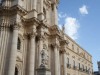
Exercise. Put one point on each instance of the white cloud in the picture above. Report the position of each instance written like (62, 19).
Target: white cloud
(60, 26)
(71, 27)
(62, 15)
(83, 10)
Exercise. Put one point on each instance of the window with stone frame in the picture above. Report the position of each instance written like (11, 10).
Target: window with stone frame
(73, 63)
(72, 47)
(67, 60)
(44, 12)
(16, 71)
(79, 66)
(52, 7)
(18, 44)
(78, 50)
(83, 66)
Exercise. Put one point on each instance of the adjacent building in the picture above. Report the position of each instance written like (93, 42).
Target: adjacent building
(31, 42)
(97, 72)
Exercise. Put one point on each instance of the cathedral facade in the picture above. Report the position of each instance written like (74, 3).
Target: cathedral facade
(31, 42)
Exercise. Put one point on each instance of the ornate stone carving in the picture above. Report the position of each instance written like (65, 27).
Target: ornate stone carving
(15, 26)
(55, 45)
(44, 57)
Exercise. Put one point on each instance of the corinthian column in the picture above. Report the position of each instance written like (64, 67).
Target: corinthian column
(56, 56)
(32, 52)
(12, 59)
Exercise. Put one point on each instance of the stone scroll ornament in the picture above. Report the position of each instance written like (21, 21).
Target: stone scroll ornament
(44, 57)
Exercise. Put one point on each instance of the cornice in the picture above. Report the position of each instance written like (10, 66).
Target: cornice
(64, 42)
(79, 55)
(54, 30)
(19, 8)
(13, 9)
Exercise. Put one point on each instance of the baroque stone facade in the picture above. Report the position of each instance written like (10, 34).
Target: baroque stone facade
(32, 44)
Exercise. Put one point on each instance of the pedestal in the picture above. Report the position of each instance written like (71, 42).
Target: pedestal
(43, 71)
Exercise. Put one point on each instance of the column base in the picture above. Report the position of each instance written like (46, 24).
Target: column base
(43, 71)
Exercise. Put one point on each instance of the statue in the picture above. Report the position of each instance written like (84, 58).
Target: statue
(44, 56)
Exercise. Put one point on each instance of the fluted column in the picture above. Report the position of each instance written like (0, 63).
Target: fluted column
(4, 45)
(31, 64)
(6, 3)
(12, 59)
(56, 57)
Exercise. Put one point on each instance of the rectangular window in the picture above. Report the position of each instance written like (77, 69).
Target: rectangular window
(79, 65)
(73, 63)
(67, 60)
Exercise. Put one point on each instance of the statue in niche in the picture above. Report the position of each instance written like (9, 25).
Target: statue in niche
(44, 56)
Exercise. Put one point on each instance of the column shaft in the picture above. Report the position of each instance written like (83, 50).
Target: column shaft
(64, 63)
(12, 59)
(41, 6)
(55, 15)
(40, 49)
(28, 5)
(34, 7)
(32, 56)
(41, 15)
(57, 64)
(33, 4)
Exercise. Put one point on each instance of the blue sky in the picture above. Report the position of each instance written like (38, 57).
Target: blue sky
(82, 22)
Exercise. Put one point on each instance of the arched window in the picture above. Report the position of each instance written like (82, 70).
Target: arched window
(18, 44)
(44, 11)
(16, 71)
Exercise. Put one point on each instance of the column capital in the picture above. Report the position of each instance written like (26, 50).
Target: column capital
(63, 51)
(55, 45)
(33, 35)
(41, 37)
(15, 26)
